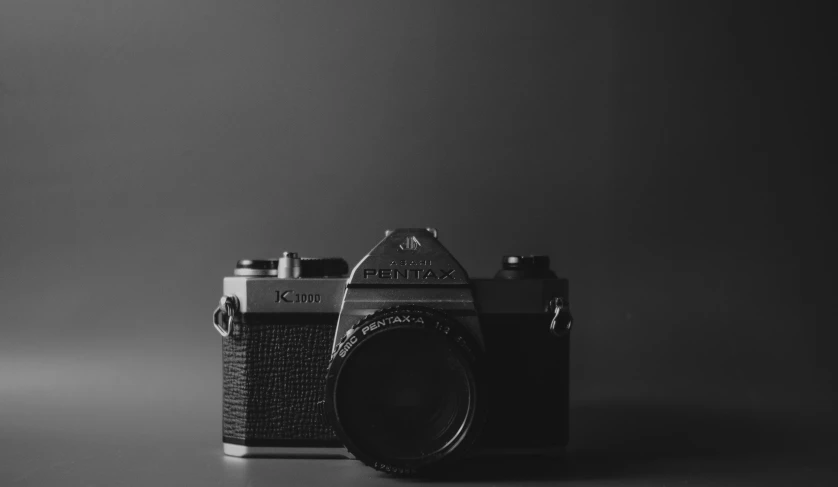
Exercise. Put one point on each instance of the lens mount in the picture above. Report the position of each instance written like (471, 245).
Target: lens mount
(404, 390)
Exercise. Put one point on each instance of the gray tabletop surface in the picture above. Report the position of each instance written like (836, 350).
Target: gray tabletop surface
(152, 417)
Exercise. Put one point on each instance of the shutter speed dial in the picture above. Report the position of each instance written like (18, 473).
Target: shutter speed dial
(525, 267)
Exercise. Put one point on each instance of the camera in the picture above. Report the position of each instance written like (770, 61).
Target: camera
(405, 363)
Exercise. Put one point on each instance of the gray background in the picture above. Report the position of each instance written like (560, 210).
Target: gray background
(668, 158)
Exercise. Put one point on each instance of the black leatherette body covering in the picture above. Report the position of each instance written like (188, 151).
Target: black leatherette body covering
(274, 376)
(528, 393)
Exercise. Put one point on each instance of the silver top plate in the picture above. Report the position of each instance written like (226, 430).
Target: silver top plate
(272, 295)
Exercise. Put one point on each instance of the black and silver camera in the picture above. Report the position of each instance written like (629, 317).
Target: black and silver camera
(405, 363)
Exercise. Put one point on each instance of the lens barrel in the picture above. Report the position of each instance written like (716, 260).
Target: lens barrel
(404, 390)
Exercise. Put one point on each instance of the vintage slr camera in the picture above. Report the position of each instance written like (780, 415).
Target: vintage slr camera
(407, 363)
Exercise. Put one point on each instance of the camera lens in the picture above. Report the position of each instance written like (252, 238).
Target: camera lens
(404, 395)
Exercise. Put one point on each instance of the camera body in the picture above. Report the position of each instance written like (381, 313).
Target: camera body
(412, 318)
